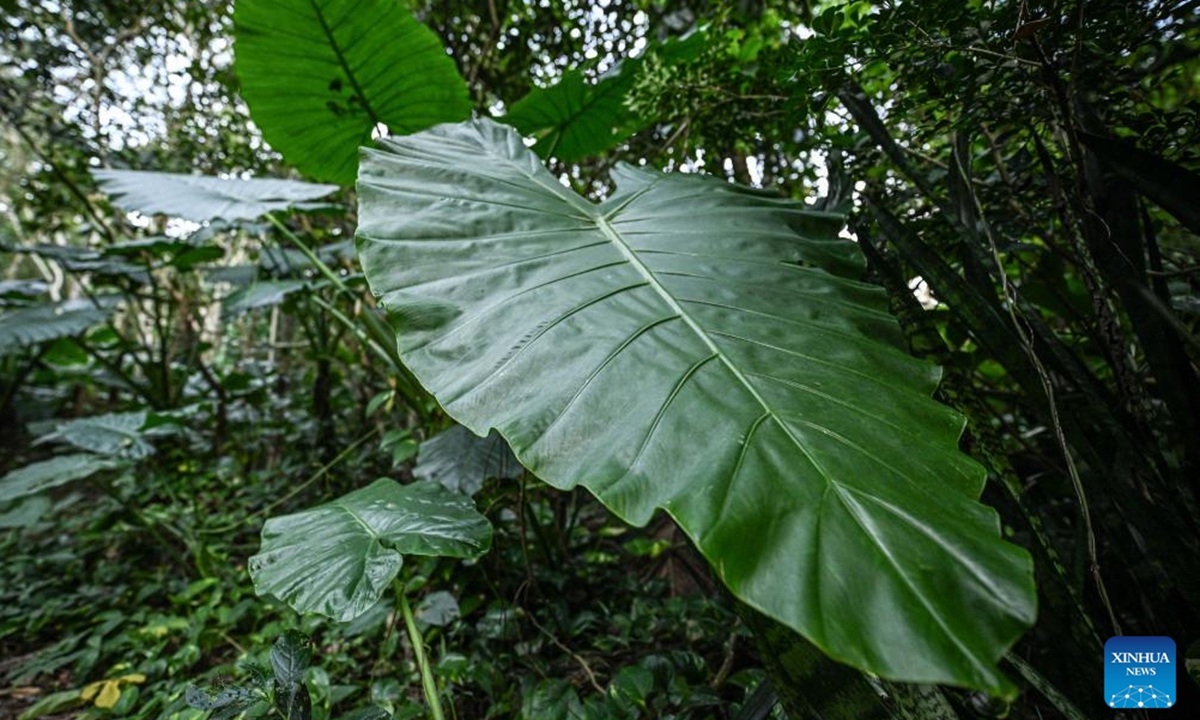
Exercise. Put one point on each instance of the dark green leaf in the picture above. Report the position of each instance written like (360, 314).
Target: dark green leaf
(212, 698)
(575, 118)
(706, 349)
(264, 293)
(25, 512)
(368, 713)
(18, 292)
(337, 559)
(34, 325)
(234, 709)
(1171, 187)
(552, 700)
(290, 657)
(51, 704)
(115, 434)
(320, 75)
(438, 609)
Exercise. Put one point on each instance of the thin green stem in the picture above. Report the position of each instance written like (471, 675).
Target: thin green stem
(320, 264)
(414, 635)
(411, 396)
(407, 383)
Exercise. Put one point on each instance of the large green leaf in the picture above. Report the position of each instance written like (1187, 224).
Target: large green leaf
(337, 559)
(703, 348)
(202, 198)
(60, 470)
(320, 75)
(114, 434)
(37, 324)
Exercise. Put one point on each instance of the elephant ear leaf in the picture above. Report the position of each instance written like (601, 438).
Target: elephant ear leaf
(337, 559)
(574, 118)
(321, 76)
(705, 349)
(26, 327)
(202, 198)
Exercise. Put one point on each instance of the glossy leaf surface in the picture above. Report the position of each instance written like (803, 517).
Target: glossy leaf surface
(337, 559)
(320, 75)
(201, 198)
(706, 349)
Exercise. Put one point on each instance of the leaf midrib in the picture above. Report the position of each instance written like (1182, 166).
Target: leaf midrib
(337, 51)
(652, 280)
(769, 412)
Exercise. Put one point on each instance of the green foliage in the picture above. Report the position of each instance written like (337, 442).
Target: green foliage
(348, 67)
(337, 559)
(1165, 183)
(574, 118)
(642, 309)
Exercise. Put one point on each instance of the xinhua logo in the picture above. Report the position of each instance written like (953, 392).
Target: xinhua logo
(1139, 672)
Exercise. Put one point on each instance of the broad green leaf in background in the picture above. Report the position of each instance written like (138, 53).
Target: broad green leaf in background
(25, 512)
(76, 259)
(54, 703)
(56, 471)
(337, 559)
(264, 293)
(20, 292)
(460, 460)
(114, 434)
(575, 118)
(202, 198)
(320, 75)
(37, 324)
(707, 349)
(165, 252)
(438, 609)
